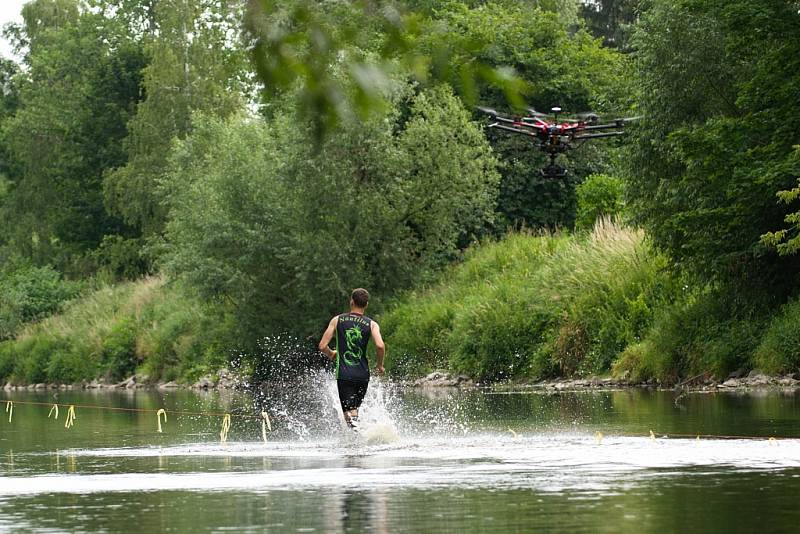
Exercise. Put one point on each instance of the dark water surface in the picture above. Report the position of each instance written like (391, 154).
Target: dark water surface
(444, 461)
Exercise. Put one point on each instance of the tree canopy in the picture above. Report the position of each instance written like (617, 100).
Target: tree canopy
(261, 229)
(716, 141)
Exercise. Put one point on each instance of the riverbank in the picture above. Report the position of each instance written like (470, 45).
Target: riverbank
(148, 328)
(737, 381)
(222, 380)
(226, 380)
(554, 307)
(525, 309)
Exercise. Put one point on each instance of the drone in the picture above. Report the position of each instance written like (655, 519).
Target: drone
(554, 137)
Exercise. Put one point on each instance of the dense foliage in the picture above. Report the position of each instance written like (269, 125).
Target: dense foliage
(73, 102)
(598, 196)
(716, 141)
(534, 306)
(236, 168)
(261, 229)
(29, 293)
(163, 332)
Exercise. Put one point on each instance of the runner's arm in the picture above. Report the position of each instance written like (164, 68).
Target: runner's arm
(380, 348)
(326, 339)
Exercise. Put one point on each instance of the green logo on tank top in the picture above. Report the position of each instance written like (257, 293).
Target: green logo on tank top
(352, 336)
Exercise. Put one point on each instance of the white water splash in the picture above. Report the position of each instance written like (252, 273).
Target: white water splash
(551, 463)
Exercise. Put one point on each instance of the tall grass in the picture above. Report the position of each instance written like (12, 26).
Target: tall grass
(779, 348)
(146, 326)
(533, 306)
(707, 331)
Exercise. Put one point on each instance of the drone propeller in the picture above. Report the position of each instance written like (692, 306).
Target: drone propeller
(624, 120)
(538, 114)
(588, 116)
(489, 111)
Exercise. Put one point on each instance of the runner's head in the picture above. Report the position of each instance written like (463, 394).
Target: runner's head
(359, 298)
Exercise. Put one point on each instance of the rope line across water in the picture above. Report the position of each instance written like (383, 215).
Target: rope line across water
(138, 410)
(265, 421)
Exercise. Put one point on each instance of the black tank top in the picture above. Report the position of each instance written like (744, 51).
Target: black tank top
(352, 336)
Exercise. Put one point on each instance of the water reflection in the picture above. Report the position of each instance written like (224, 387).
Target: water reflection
(454, 467)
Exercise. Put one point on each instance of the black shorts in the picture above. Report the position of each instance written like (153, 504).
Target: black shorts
(351, 393)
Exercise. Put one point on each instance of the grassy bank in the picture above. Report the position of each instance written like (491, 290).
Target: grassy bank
(526, 307)
(538, 306)
(148, 327)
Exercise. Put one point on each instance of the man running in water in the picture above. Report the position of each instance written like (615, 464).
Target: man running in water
(352, 333)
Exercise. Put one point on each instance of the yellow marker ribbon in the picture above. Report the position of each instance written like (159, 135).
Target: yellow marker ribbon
(265, 423)
(159, 413)
(226, 426)
(70, 417)
(10, 409)
(54, 408)
(652, 436)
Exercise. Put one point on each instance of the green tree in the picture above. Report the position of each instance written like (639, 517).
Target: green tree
(561, 68)
(9, 101)
(787, 241)
(75, 98)
(613, 20)
(316, 51)
(196, 63)
(262, 230)
(721, 116)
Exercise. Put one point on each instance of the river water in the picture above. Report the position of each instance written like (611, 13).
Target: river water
(441, 461)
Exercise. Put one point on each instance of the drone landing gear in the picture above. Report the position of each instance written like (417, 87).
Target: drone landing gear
(553, 171)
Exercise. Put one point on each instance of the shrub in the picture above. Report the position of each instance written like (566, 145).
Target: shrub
(119, 349)
(161, 329)
(535, 306)
(70, 364)
(118, 258)
(779, 350)
(33, 357)
(709, 330)
(7, 359)
(599, 195)
(30, 293)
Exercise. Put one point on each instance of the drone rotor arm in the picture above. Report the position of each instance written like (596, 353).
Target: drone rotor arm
(513, 129)
(598, 135)
(607, 126)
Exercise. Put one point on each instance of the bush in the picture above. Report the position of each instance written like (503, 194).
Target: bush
(706, 331)
(33, 356)
(600, 195)
(118, 258)
(30, 293)
(71, 364)
(119, 349)
(160, 329)
(534, 306)
(779, 350)
(7, 359)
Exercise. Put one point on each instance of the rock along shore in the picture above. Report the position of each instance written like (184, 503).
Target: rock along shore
(226, 380)
(221, 380)
(734, 382)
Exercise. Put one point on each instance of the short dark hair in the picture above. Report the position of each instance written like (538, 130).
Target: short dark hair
(360, 297)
